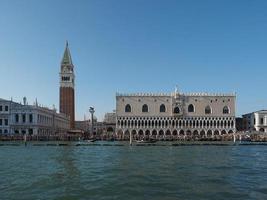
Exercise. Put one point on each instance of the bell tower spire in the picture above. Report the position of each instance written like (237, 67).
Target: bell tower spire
(66, 57)
(67, 83)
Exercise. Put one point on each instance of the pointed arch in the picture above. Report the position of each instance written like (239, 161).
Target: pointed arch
(176, 110)
(209, 133)
(174, 132)
(191, 108)
(216, 132)
(208, 110)
(226, 110)
(154, 132)
(168, 132)
(145, 108)
(161, 132)
(134, 132)
(162, 108)
(202, 133)
(128, 108)
(188, 132)
(195, 133)
(181, 132)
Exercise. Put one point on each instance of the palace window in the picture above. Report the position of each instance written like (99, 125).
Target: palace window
(191, 108)
(226, 110)
(1, 108)
(6, 122)
(261, 122)
(128, 108)
(30, 131)
(6, 108)
(144, 108)
(176, 110)
(1, 122)
(208, 110)
(162, 108)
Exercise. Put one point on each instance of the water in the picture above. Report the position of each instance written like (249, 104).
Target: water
(137, 172)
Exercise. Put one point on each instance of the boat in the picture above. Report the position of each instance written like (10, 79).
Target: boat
(146, 141)
(91, 140)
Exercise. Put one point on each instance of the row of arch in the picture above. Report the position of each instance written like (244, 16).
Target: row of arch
(177, 110)
(176, 123)
(174, 132)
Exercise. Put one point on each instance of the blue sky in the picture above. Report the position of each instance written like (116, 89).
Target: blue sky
(134, 46)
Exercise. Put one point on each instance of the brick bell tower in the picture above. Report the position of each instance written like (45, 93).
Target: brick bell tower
(67, 78)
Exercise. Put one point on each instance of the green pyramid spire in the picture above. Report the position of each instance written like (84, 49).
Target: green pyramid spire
(67, 57)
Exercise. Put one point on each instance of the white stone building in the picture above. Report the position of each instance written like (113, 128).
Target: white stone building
(255, 121)
(175, 114)
(16, 118)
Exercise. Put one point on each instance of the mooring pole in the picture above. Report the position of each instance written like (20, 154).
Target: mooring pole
(131, 139)
(25, 140)
(92, 110)
(234, 138)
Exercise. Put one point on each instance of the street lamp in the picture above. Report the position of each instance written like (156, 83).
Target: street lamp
(92, 110)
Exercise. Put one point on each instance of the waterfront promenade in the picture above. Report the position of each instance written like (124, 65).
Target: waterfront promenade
(252, 136)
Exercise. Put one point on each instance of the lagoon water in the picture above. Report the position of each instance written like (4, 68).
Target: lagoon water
(133, 172)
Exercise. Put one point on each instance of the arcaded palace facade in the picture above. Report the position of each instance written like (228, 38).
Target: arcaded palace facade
(175, 114)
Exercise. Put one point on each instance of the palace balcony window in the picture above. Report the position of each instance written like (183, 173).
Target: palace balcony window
(226, 110)
(30, 118)
(128, 108)
(162, 108)
(23, 118)
(17, 118)
(191, 108)
(208, 110)
(144, 108)
(176, 110)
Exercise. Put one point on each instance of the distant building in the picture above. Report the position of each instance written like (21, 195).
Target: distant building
(16, 118)
(239, 124)
(160, 115)
(82, 125)
(67, 93)
(110, 118)
(109, 123)
(255, 121)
